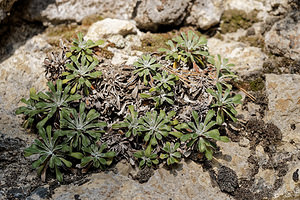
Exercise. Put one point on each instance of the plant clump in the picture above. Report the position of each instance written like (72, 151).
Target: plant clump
(159, 110)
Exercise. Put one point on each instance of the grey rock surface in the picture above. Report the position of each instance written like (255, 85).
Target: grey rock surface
(205, 14)
(154, 13)
(284, 37)
(56, 11)
(18, 74)
(247, 59)
(187, 181)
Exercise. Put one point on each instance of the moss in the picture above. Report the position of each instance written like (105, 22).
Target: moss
(89, 20)
(257, 84)
(152, 42)
(64, 31)
(234, 19)
(253, 40)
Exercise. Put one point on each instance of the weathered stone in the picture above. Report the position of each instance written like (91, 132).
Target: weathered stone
(75, 10)
(18, 74)
(248, 60)
(284, 105)
(235, 157)
(284, 37)
(205, 14)
(110, 27)
(154, 13)
(186, 181)
(290, 188)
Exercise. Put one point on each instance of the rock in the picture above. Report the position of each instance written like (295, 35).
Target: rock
(40, 193)
(110, 27)
(17, 178)
(151, 14)
(186, 181)
(284, 37)
(18, 74)
(205, 14)
(76, 10)
(284, 105)
(290, 188)
(235, 157)
(284, 108)
(245, 5)
(5, 7)
(248, 60)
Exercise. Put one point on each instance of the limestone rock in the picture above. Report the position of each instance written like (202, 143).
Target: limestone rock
(75, 10)
(284, 37)
(235, 157)
(110, 27)
(284, 104)
(154, 13)
(187, 181)
(248, 60)
(205, 14)
(18, 74)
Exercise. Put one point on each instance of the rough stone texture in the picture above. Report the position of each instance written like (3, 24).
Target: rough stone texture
(263, 8)
(284, 37)
(75, 10)
(235, 157)
(5, 6)
(109, 27)
(205, 14)
(18, 74)
(284, 111)
(187, 181)
(154, 13)
(284, 104)
(248, 60)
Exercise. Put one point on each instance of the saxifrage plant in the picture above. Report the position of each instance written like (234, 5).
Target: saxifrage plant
(30, 110)
(146, 157)
(172, 155)
(155, 126)
(200, 134)
(165, 80)
(95, 155)
(189, 48)
(223, 71)
(80, 72)
(53, 101)
(81, 128)
(50, 151)
(159, 95)
(224, 103)
(131, 122)
(145, 67)
(84, 48)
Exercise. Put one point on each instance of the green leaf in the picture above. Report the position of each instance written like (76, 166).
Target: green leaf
(224, 139)
(67, 163)
(59, 176)
(143, 95)
(176, 134)
(76, 155)
(185, 137)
